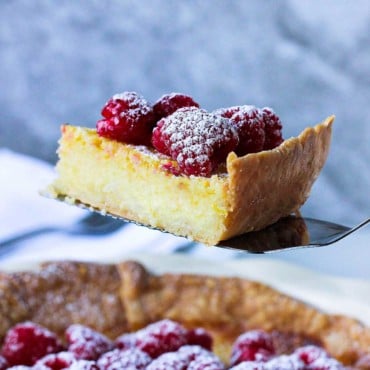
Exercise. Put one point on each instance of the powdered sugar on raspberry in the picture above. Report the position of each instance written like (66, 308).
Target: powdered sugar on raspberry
(197, 140)
(132, 358)
(85, 343)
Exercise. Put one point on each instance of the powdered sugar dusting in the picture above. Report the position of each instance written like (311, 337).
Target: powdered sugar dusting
(130, 359)
(197, 139)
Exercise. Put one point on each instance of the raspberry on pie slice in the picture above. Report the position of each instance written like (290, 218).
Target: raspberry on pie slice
(197, 140)
(170, 103)
(128, 118)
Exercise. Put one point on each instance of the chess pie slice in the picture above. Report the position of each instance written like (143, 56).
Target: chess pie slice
(131, 181)
(115, 299)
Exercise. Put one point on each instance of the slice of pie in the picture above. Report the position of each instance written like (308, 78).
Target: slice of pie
(123, 298)
(140, 183)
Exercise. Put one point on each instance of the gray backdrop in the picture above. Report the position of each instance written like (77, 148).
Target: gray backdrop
(61, 60)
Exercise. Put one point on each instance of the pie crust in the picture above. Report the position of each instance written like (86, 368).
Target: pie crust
(130, 181)
(118, 298)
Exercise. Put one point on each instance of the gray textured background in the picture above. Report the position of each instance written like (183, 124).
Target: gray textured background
(61, 60)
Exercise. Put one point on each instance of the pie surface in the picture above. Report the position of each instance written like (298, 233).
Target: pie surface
(119, 298)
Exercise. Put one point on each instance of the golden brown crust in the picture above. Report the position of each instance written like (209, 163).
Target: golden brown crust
(268, 185)
(115, 299)
(62, 293)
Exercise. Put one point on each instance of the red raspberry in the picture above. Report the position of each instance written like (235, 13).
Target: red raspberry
(169, 361)
(310, 353)
(250, 126)
(273, 129)
(192, 352)
(200, 337)
(86, 343)
(250, 365)
(160, 139)
(56, 361)
(170, 103)
(285, 362)
(197, 140)
(126, 341)
(199, 358)
(325, 364)
(3, 363)
(132, 358)
(27, 342)
(127, 118)
(83, 365)
(252, 345)
(206, 363)
(160, 337)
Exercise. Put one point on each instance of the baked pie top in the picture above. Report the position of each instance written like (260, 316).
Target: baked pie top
(125, 297)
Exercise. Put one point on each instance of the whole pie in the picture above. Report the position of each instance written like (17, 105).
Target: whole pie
(195, 174)
(184, 313)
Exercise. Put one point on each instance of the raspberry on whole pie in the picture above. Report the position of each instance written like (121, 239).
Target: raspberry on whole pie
(201, 337)
(197, 140)
(27, 342)
(132, 358)
(168, 361)
(86, 343)
(287, 362)
(248, 121)
(310, 353)
(126, 341)
(252, 345)
(160, 337)
(273, 129)
(3, 363)
(170, 103)
(128, 118)
(56, 361)
(206, 363)
(83, 365)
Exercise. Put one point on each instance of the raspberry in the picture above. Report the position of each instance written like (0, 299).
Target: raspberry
(132, 358)
(199, 358)
(127, 118)
(273, 129)
(85, 343)
(56, 361)
(249, 365)
(192, 352)
(160, 337)
(170, 103)
(309, 354)
(252, 345)
(325, 364)
(200, 337)
(3, 363)
(27, 342)
(126, 341)
(169, 361)
(83, 365)
(197, 140)
(285, 362)
(250, 126)
(206, 363)
(160, 139)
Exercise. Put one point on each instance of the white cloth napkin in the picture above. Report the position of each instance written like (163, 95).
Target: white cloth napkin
(22, 208)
